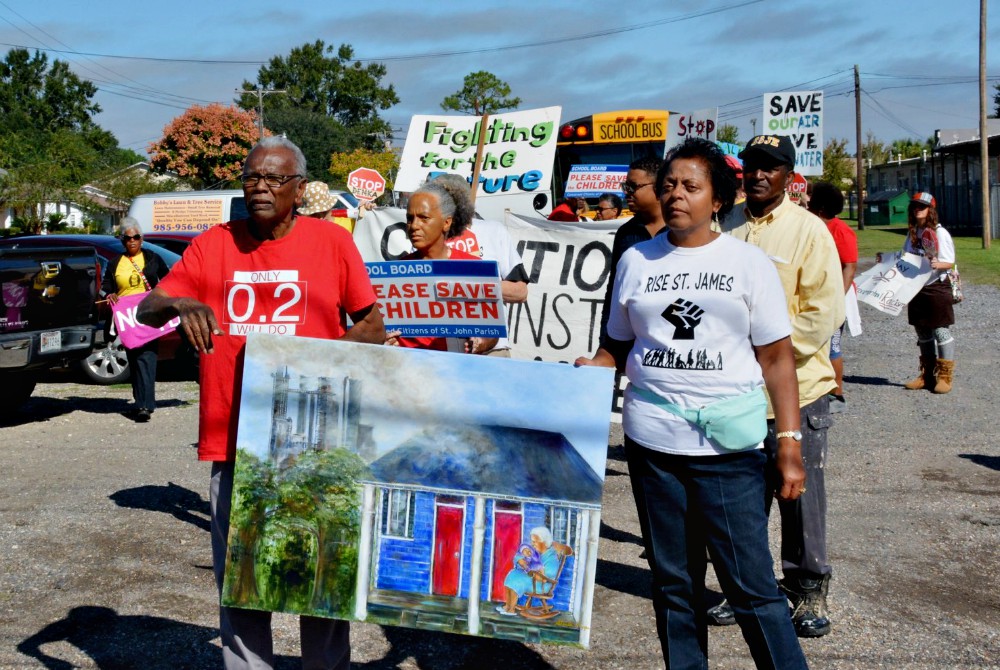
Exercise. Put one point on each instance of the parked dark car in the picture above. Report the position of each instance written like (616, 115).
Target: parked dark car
(107, 363)
(176, 241)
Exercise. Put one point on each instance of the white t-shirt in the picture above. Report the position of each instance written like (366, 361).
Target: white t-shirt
(945, 253)
(695, 314)
(491, 241)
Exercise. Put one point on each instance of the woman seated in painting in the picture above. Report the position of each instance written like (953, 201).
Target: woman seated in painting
(436, 212)
(518, 582)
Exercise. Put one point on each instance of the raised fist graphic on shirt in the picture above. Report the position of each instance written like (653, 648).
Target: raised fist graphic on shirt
(684, 316)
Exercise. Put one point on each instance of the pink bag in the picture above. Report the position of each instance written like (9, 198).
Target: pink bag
(132, 333)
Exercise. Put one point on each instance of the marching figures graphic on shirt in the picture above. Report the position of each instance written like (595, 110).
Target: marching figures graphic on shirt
(685, 316)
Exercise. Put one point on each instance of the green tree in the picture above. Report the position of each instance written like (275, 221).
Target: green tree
(996, 102)
(206, 145)
(325, 81)
(255, 492)
(481, 93)
(318, 135)
(343, 163)
(874, 150)
(49, 144)
(727, 132)
(910, 148)
(838, 165)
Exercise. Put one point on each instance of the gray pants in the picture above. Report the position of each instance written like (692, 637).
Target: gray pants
(246, 634)
(803, 521)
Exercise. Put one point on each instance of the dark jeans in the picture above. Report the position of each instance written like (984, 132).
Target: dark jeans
(142, 371)
(688, 503)
(803, 521)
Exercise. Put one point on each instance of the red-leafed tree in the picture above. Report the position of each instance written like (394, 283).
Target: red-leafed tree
(206, 145)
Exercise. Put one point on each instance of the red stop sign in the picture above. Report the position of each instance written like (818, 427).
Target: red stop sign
(798, 185)
(366, 184)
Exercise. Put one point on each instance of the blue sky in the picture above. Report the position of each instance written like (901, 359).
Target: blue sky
(918, 61)
(403, 390)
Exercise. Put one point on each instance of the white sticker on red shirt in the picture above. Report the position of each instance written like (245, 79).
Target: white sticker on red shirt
(268, 301)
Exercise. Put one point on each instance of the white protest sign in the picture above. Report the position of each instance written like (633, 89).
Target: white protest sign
(699, 123)
(799, 115)
(567, 264)
(518, 150)
(891, 284)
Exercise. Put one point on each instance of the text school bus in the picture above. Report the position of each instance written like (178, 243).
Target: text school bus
(609, 138)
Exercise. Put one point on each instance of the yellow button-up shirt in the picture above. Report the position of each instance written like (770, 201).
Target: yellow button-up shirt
(802, 249)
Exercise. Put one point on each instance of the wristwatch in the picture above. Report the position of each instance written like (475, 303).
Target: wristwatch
(794, 434)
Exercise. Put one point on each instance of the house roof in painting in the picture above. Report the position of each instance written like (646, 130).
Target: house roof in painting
(499, 460)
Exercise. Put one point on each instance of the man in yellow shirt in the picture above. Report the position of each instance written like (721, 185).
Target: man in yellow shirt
(805, 255)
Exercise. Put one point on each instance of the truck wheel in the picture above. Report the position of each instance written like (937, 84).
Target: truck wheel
(106, 364)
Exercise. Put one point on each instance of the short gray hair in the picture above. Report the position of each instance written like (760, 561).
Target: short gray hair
(129, 222)
(282, 142)
(543, 534)
(454, 201)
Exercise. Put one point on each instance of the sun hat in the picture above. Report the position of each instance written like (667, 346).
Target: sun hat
(734, 163)
(317, 198)
(924, 198)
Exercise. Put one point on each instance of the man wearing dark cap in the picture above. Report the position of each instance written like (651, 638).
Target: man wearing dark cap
(806, 257)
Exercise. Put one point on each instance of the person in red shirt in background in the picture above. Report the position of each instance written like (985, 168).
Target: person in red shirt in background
(827, 202)
(567, 210)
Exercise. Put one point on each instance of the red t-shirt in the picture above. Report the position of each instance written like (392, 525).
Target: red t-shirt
(845, 239)
(435, 343)
(301, 284)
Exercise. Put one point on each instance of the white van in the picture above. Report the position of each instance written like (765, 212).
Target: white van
(196, 211)
(192, 211)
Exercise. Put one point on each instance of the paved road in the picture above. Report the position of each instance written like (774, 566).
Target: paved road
(105, 552)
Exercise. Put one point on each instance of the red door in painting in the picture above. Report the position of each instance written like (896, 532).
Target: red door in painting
(506, 540)
(447, 550)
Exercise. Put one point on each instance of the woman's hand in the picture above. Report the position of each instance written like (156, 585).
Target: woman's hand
(479, 345)
(112, 298)
(392, 338)
(940, 265)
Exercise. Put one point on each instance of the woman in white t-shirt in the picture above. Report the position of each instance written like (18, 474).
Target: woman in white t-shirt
(697, 317)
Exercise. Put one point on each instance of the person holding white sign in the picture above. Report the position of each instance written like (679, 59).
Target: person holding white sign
(931, 312)
(698, 320)
(433, 214)
(803, 251)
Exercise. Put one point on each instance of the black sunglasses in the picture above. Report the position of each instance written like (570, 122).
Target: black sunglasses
(129, 238)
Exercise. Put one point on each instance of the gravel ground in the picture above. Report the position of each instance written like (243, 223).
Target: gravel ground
(106, 561)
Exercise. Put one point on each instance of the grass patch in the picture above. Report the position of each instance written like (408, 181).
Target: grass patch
(978, 265)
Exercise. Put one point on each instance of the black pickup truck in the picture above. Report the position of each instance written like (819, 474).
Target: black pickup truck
(48, 314)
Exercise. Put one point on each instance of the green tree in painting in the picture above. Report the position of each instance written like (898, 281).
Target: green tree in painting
(253, 494)
(319, 496)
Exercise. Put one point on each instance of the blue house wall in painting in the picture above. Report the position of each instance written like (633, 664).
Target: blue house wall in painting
(534, 476)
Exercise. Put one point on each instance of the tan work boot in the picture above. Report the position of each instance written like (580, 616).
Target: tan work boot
(944, 371)
(926, 377)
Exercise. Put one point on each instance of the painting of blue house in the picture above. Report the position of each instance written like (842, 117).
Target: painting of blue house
(418, 488)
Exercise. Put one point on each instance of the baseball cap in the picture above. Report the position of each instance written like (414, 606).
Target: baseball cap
(316, 198)
(924, 198)
(778, 147)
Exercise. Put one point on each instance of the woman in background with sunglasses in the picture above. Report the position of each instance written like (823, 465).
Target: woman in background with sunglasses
(136, 271)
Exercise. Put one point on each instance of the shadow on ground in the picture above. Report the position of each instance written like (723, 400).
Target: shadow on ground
(991, 462)
(181, 503)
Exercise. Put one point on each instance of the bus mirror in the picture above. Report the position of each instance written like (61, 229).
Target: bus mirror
(540, 201)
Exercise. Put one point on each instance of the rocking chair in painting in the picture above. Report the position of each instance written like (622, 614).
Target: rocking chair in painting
(543, 589)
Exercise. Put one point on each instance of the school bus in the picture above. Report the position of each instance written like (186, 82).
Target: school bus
(609, 138)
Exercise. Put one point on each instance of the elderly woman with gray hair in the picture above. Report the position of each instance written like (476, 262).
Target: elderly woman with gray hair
(436, 212)
(520, 581)
(136, 271)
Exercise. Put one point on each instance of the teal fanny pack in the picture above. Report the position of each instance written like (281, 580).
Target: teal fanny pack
(736, 423)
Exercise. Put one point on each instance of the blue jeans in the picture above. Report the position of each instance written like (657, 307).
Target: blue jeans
(687, 504)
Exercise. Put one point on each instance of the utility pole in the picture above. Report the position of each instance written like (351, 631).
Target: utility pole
(857, 141)
(984, 131)
(753, 124)
(261, 92)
